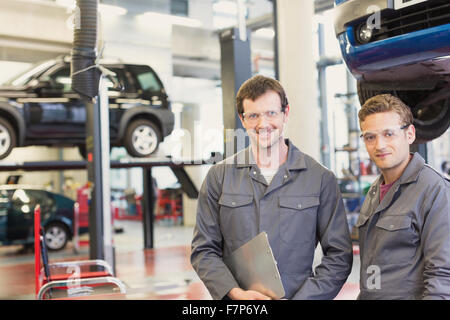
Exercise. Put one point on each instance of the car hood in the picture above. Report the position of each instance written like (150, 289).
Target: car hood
(4, 88)
(13, 91)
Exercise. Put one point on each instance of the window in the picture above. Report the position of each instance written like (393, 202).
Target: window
(22, 202)
(179, 7)
(119, 77)
(47, 203)
(25, 200)
(61, 80)
(148, 81)
(42, 198)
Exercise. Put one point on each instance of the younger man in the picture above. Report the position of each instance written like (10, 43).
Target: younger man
(404, 223)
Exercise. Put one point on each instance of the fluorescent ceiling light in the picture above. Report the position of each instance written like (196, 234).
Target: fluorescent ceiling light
(167, 18)
(265, 33)
(225, 6)
(109, 10)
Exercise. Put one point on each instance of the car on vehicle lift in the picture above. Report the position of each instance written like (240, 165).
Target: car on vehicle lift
(17, 203)
(39, 107)
(400, 47)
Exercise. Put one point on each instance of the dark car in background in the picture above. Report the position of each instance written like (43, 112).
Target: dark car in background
(400, 47)
(17, 203)
(39, 107)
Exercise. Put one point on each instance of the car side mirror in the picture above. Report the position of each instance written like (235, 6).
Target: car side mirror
(43, 84)
(117, 86)
(50, 86)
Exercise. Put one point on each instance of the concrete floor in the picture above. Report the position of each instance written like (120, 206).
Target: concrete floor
(163, 273)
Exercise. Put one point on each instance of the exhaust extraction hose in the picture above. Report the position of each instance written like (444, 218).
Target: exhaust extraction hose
(84, 73)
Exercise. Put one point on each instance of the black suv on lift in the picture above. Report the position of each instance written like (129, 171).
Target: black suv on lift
(39, 107)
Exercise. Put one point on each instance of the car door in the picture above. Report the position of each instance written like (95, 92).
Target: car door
(20, 216)
(57, 112)
(149, 85)
(60, 114)
(120, 99)
(4, 207)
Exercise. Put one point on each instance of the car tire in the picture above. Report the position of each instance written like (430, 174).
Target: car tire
(56, 236)
(430, 121)
(365, 94)
(8, 138)
(142, 138)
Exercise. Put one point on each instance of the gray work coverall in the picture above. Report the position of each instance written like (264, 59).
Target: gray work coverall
(300, 207)
(405, 239)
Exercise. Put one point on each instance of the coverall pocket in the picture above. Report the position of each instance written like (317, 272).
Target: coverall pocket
(396, 239)
(298, 218)
(236, 216)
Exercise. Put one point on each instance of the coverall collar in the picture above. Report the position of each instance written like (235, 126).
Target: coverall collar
(412, 170)
(410, 174)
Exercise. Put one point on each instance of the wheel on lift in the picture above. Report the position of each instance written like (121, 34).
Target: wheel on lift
(431, 120)
(8, 138)
(142, 138)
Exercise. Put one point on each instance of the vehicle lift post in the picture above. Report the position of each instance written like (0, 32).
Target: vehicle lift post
(235, 70)
(98, 166)
(87, 82)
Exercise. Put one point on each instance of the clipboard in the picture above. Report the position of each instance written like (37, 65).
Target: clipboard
(254, 267)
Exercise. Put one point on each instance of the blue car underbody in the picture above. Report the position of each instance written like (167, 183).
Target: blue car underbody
(422, 52)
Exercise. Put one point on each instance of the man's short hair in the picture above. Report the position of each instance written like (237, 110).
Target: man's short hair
(255, 87)
(386, 103)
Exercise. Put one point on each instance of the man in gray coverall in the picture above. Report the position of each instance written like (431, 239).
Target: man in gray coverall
(404, 223)
(273, 187)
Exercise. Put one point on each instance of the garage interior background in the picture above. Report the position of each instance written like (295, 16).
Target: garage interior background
(185, 53)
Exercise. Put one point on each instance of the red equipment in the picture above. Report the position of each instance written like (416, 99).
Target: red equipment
(169, 205)
(70, 276)
(123, 213)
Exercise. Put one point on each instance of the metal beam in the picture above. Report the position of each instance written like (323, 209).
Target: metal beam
(148, 208)
(323, 5)
(236, 69)
(187, 185)
(81, 165)
(149, 198)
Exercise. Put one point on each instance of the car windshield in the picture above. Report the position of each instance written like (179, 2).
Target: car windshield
(25, 76)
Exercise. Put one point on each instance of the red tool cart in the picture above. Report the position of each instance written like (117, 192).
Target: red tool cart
(70, 279)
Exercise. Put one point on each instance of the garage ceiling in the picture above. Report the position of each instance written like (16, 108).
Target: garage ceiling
(23, 43)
